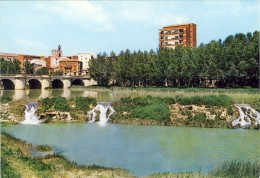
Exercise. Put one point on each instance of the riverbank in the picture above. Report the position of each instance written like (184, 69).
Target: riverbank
(17, 162)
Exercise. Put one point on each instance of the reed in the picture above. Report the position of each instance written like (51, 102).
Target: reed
(237, 168)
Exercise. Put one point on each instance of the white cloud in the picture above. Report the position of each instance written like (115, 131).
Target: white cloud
(170, 19)
(81, 13)
(150, 13)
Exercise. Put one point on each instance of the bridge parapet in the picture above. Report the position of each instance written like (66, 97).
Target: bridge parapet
(22, 81)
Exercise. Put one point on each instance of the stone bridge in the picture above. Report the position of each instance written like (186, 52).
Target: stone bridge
(20, 82)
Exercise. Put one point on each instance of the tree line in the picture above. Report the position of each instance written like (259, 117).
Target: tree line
(14, 67)
(233, 62)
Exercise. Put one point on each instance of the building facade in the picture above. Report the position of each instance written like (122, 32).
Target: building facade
(178, 35)
(85, 58)
(70, 66)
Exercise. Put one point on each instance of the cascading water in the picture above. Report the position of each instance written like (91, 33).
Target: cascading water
(30, 117)
(102, 108)
(247, 118)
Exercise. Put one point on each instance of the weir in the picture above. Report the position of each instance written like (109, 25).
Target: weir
(30, 117)
(104, 109)
(248, 116)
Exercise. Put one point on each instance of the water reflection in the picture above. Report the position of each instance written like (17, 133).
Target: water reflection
(103, 95)
(36, 94)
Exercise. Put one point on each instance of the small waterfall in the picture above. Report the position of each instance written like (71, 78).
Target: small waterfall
(103, 108)
(247, 118)
(30, 117)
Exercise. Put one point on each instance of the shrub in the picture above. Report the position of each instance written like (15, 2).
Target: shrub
(230, 111)
(200, 117)
(82, 103)
(159, 112)
(46, 103)
(43, 148)
(149, 107)
(208, 100)
(141, 101)
(169, 100)
(126, 100)
(61, 104)
(5, 99)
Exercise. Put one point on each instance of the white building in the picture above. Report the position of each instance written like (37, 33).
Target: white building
(38, 63)
(85, 58)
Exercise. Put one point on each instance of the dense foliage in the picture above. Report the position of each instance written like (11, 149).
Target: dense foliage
(58, 103)
(231, 63)
(209, 100)
(42, 71)
(28, 68)
(62, 104)
(9, 67)
(148, 107)
(83, 103)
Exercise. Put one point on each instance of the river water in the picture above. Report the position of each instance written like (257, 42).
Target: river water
(144, 150)
(115, 94)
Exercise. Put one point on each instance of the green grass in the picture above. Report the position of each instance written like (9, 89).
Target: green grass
(209, 100)
(7, 171)
(43, 148)
(153, 108)
(236, 169)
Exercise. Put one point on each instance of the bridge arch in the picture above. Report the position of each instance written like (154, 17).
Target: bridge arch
(77, 82)
(8, 84)
(34, 84)
(57, 83)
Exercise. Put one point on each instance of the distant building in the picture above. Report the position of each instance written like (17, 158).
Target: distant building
(33, 59)
(57, 52)
(8, 56)
(38, 63)
(85, 58)
(70, 66)
(182, 35)
(48, 62)
(55, 55)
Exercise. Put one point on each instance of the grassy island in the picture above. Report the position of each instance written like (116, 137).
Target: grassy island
(209, 110)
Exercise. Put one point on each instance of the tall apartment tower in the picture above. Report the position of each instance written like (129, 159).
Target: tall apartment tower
(182, 35)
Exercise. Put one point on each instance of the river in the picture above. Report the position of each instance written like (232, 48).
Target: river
(144, 150)
(115, 94)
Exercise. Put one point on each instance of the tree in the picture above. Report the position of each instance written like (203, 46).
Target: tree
(28, 68)
(42, 71)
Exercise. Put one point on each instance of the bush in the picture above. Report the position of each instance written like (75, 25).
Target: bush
(126, 100)
(5, 99)
(169, 100)
(141, 101)
(46, 103)
(208, 100)
(230, 111)
(200, 117)
(61, 104)
(149, 107)
(82, 103)
(43, 148)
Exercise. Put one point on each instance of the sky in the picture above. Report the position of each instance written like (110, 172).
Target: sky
(37, 27)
